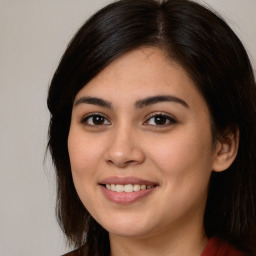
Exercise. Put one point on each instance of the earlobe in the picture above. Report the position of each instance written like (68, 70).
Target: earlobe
(226, 150)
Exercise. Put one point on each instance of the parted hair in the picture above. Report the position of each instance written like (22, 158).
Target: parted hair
(206, 47)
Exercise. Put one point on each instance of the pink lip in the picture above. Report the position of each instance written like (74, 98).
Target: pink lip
(123, 197)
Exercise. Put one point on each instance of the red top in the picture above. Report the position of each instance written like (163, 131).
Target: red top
(216, 247)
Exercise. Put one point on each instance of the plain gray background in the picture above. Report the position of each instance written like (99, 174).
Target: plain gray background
(34, 34)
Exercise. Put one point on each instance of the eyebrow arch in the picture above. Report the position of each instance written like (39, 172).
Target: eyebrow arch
(94, 101)
(159, 98)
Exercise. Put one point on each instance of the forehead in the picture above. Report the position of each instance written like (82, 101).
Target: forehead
(143, 72)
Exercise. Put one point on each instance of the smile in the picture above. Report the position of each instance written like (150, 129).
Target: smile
(128, 188)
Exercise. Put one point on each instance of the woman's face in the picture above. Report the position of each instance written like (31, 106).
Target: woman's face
(141, 127)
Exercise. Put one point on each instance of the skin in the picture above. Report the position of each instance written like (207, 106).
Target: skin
(177, 154)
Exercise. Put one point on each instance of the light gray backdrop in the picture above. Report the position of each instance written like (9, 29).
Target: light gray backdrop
(33, 36)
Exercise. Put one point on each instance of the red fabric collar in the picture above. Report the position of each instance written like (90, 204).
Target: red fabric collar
(216, 247)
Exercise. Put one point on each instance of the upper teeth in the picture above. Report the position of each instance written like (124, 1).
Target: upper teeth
(127, 187)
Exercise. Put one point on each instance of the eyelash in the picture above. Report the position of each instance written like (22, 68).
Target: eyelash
(94, 115)
(171, 120)
(167, 118)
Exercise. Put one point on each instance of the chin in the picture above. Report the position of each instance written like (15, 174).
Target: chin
(130, 228)
(128, 233)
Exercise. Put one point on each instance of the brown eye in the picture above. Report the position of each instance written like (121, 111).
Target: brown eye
(95, 120)
(98, 120)
(160, 120)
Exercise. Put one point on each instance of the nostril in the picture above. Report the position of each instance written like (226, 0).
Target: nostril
(121, 164)
(124, 155)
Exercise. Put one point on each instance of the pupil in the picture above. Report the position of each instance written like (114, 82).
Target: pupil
(160, 120)
(98, 120)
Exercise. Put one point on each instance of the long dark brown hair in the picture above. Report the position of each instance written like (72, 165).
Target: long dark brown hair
(215, 59)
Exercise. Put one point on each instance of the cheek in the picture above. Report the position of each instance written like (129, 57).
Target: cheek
(185, 156)
(84, 158)
(84, 153)
(185, 165)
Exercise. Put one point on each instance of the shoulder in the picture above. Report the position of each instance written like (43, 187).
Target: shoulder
(217, 247)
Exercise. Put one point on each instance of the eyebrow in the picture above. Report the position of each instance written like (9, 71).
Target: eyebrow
(160, 98)
(94, 101)
(138, 104)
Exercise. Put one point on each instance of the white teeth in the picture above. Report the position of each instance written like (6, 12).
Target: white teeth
(136, 187)
(142, 187)
(127, 188)
(119, 188)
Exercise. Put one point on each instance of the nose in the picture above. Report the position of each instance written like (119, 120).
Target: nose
(124, 149)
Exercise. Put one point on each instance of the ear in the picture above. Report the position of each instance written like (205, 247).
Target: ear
(226, 149)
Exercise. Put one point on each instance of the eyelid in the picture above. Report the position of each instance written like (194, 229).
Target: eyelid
(87, 116)
(170, 117)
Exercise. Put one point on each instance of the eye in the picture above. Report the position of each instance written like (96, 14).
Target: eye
(95, 120)
(160, 120)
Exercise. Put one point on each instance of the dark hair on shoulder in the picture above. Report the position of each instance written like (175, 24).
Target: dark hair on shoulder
(215, 59)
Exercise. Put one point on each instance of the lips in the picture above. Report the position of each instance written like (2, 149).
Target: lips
(125, 190)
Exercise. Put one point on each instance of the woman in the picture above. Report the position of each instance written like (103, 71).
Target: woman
(152, 134)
